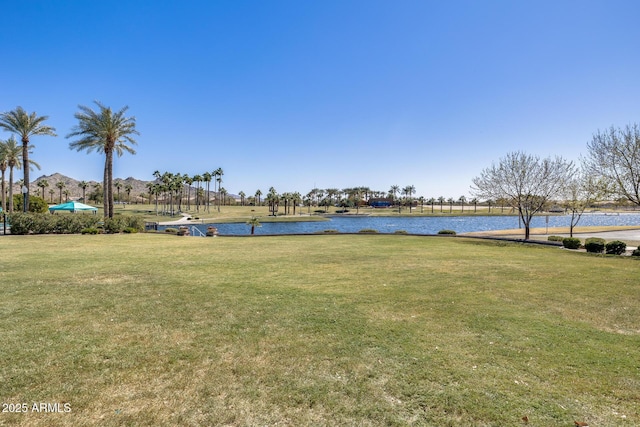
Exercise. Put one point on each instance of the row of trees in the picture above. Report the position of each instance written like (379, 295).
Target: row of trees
(529, 183)
(172, 187)
(104, 131)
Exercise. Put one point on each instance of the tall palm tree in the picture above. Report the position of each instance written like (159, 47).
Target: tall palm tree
(218, 173)
(66, 195)
(83, 185)
(197, 179)
(25, 125)
(51, 193)
(462, 201)
(127, 189)
(409, 191)
(43, 183)
(60, 186)
(258, 194)
(206, 178)
(118, 186)
(242, 196)
(14, 153)
(107, 132)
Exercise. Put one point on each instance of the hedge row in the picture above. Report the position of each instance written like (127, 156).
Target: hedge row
(597, 245)
(39, 223)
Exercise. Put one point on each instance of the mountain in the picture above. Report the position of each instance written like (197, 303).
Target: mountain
(75, 192)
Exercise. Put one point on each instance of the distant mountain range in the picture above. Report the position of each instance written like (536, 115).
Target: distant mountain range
(137, 186)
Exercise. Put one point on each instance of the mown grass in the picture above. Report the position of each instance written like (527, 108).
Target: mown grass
(316, 330)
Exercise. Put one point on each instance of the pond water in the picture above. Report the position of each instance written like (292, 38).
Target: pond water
(416, 225)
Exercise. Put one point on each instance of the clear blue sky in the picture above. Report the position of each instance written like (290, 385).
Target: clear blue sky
(302, 94)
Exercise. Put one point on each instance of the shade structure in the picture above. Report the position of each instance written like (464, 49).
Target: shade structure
(72, 206)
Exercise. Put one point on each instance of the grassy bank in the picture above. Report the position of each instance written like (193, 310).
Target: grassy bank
(316, 330)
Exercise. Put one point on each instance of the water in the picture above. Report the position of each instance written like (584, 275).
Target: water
(416, 225)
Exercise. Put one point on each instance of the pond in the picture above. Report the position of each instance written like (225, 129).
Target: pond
(415, 225)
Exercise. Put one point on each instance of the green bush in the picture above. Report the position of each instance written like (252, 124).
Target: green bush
(171, 230)
(90, 230)
(331, 231)
(130, 230)
(400, 232)
(636, 252)
(451, 232)
(616, 247)
(68, 223)
(571, 243)
(555, 238)
(594, 245)
(36, 204)
(368, 230)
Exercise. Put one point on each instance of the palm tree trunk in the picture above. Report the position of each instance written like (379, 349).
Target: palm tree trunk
(110, 171)
(10, 190)
(25, 162)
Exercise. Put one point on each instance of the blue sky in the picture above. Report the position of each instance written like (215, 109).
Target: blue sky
(328, 94)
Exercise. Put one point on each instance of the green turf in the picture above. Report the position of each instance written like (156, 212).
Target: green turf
(316, 330)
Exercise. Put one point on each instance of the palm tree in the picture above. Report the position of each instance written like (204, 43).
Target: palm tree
(83, 185)
(188, 181)
(25, 125)
(258, 194)
(118, 186)
(43, 183)
(462, 200)
(207, 177)
(197, 179)
(66, 195)
(106, 132)
(13, 154)
(51, 193)
(218, 175)
(441, 201)
(127, 189)
(242, 196)
(409, 191)
(60, 186)
(393, 191)
(253, 222)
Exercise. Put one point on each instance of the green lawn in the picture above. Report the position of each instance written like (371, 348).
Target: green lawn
(372, 330)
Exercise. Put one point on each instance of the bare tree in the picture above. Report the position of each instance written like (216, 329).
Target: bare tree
(525, 181)
(581, 192)
(614, 155)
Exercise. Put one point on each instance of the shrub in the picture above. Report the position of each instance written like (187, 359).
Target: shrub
(400, 232)
(616, 247)
(555, 238)
(594, 245)
(451, 232)
(171, 230)
(36, 204)
(40, 223)
(636, 252)
(330, 231)
(130, 230)
(368, 230)
(90, 230)
(571, 243)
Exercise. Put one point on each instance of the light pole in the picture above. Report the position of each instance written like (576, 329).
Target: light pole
(25, 190)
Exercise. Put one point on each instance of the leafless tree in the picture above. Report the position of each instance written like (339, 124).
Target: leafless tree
(525, 181)
(614, 155)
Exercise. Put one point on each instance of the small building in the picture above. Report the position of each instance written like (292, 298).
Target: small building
(380, 202)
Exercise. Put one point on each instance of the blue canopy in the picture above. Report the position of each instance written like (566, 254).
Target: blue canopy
(72, 206)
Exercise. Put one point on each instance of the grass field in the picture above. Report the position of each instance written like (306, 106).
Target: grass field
(376, 330)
